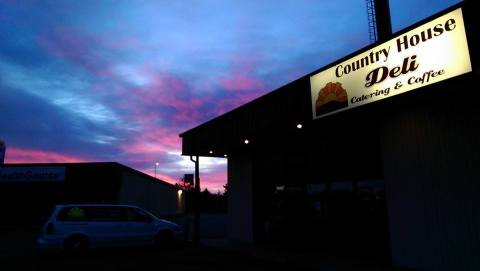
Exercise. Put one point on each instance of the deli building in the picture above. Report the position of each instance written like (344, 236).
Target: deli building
(375, 155)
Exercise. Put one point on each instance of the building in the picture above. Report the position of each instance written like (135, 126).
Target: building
(394, 179)
(29, 191)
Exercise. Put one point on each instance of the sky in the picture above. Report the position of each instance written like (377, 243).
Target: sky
(119, 80)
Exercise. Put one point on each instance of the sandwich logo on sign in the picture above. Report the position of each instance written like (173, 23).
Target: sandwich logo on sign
(432, 52)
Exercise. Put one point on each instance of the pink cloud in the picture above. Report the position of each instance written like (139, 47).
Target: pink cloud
(242, 75)
(166, 97)
(240, 82)
(20, 155)
(72, 45)
(234, 101)
(166, 89)
(85, 49)
(157, 140)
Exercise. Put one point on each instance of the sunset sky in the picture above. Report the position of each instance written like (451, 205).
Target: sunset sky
(119, 80)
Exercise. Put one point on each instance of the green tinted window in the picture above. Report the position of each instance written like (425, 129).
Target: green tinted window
(72, 214)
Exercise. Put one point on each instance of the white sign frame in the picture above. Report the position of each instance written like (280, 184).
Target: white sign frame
(431, 52)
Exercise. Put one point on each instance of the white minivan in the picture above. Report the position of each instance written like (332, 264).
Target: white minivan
(78, 227)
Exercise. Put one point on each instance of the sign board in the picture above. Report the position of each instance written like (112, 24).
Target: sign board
(432, 52)
(32, 174)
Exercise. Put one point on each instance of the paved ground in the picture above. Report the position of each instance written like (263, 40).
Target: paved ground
(302, 260)
(17, 253)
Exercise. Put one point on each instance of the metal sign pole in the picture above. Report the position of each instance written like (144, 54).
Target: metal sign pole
(197, 199)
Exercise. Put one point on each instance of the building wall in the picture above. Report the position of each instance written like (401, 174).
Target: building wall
(431, 154)
(28, 202)
(160, 199)
(85, 183)
(240, 199)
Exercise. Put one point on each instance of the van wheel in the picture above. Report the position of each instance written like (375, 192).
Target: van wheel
(76, 244)
(164, 239)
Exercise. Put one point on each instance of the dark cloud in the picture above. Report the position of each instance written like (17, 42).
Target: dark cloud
(32, 122)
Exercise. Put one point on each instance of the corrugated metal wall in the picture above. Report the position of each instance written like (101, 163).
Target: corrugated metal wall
(158, 198)
(431, 153)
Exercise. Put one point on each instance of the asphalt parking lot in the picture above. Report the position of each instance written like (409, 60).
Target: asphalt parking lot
(17, 252)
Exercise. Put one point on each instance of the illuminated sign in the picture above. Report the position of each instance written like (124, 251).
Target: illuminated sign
(32, 174)
(427, 54)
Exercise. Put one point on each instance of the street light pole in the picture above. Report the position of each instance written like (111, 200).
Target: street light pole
(156, 165)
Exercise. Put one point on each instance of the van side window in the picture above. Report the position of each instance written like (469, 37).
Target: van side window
(134, 214)
(72, 214)
(105, 213)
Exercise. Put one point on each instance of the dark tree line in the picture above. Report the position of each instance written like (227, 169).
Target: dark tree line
(208, 202)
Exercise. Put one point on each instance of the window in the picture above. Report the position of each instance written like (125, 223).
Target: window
(105, 213)
(134, 214)
(72, 214)
(91, 213)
